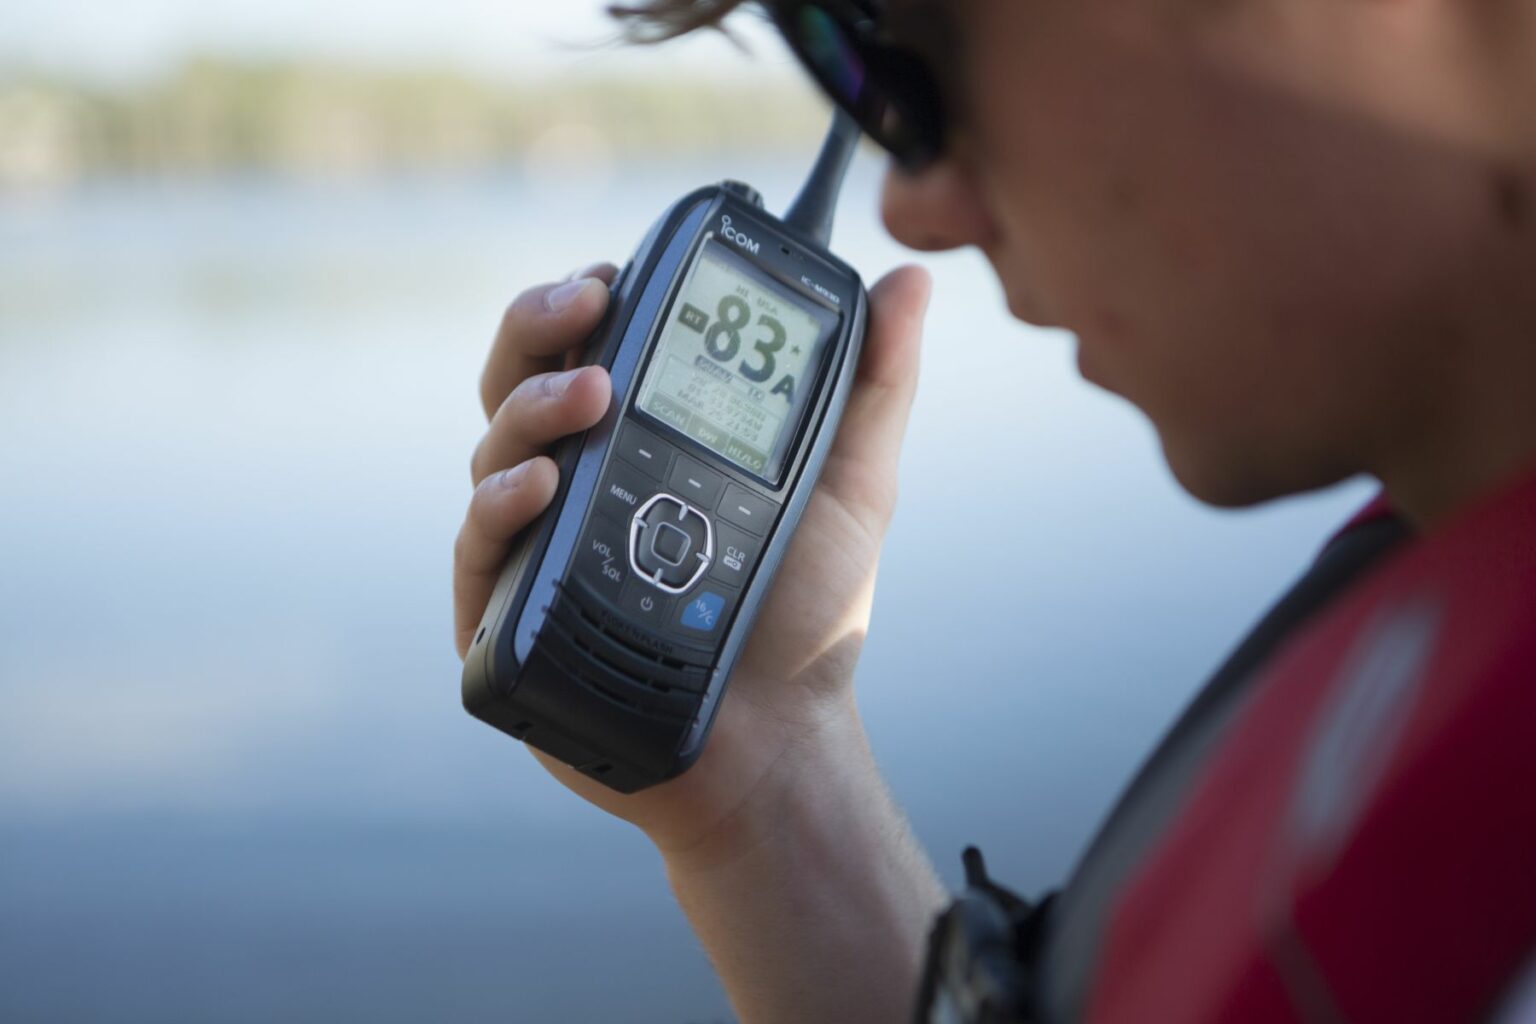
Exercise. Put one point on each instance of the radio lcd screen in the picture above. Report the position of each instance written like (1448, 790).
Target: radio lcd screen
(737, 363)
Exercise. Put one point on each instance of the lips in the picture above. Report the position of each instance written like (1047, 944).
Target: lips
(1085, 365)
(1028, 306)
(1024, 302)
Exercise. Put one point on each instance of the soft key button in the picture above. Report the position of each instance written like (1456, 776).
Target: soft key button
(692, 482)
(747, 510)
(643, 450)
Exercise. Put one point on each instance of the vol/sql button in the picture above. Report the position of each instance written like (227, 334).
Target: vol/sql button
(602, 559)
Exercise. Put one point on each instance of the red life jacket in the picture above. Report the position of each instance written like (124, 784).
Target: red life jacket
(1361, 843)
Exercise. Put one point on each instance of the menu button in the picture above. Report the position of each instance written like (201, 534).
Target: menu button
(623, 491)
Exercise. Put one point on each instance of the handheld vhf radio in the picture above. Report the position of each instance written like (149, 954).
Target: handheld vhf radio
(731, 339)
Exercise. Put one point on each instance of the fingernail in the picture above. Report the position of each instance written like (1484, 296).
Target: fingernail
(560, 383)
(558, 300)
(591, 270)
(512, 477)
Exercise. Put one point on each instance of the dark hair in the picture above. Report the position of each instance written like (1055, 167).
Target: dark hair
(651, 21)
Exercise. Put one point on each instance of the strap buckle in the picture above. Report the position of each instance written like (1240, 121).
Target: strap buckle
(981, 952)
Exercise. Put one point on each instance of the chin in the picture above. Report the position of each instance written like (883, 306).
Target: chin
(1242, 479)
(1091, 368)
(1223, 479)
(1224, 492)
(1023, 305)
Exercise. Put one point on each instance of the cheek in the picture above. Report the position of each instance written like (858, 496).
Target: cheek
(1236, 262)
(1068, 138)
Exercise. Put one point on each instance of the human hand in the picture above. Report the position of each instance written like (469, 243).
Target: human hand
(790, 701)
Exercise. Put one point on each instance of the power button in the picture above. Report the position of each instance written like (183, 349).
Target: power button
(645, 603)
(745, 191)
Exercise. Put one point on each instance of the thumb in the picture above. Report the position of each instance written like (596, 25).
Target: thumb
(875, 422)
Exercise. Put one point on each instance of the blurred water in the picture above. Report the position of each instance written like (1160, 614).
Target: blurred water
(235, 780)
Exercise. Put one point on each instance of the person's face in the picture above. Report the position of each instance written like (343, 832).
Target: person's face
(1256, 256)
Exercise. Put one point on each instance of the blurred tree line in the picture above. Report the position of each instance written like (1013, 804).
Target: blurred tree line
(321, 120)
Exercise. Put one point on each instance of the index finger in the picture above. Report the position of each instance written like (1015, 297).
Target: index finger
(540, 330)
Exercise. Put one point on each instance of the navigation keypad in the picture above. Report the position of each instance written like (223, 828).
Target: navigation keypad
(671, 543)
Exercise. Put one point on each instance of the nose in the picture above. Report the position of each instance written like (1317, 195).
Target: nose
(935, 209)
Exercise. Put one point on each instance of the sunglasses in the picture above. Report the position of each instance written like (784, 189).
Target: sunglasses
(888, 89)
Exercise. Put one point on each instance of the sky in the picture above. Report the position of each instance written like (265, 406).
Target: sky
(140, 37)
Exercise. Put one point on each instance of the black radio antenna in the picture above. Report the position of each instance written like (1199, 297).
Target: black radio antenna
(812, 212)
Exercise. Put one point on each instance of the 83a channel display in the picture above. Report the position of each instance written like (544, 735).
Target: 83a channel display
(737, 362)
